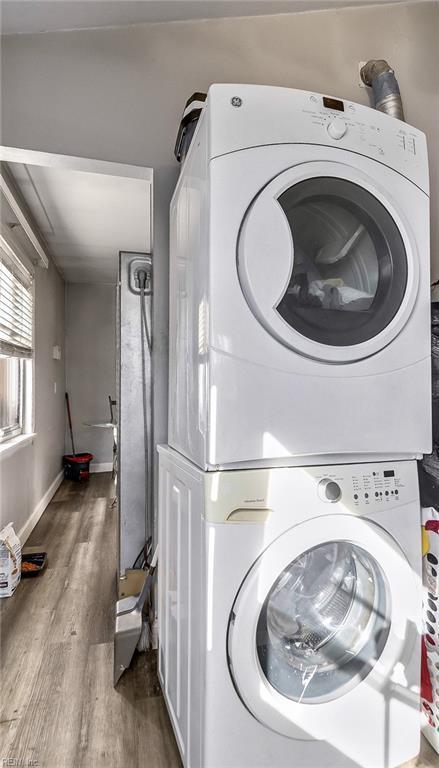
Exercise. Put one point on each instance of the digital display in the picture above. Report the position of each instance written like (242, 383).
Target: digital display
(333, 103)
(389, 473)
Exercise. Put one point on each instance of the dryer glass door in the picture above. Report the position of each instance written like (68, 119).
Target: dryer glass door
(350, 266)
(327, 263)
(323, 621)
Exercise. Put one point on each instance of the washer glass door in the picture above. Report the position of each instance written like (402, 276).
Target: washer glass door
(323, 621)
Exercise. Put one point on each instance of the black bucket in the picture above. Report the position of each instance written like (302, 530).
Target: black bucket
(191, 115)
(77, 467)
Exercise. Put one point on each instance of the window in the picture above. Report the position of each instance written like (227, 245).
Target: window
(11, 389)
(16, 325)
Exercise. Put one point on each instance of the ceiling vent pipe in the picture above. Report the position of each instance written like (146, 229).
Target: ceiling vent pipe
(378, 74)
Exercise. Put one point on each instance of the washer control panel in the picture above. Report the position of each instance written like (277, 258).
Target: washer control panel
(382, 485)
(276, 496)
(362, 486)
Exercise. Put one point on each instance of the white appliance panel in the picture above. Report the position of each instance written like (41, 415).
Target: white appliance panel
(272, 115)
(241, 520)
(247, 389)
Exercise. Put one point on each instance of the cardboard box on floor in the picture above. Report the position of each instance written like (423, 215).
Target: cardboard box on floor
(10, 561)
(131, 584)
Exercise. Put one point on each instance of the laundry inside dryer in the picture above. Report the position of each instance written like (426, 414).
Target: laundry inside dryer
(349, 273)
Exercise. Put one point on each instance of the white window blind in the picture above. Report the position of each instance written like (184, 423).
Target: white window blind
(16, 308)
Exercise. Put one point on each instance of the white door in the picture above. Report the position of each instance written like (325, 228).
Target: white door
(320, 623)
(327, 262)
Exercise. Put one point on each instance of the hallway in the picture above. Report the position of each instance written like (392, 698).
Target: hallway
(58, 706)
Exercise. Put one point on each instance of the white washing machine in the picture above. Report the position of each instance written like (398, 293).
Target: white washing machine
(299, 285)
(289, 614)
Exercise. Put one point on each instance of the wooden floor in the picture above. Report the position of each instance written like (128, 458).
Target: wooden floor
(58, 707)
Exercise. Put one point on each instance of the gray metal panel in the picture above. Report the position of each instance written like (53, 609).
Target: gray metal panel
(132, 477)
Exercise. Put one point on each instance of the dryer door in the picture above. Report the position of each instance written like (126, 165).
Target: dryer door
(320, 623)
(326, 262)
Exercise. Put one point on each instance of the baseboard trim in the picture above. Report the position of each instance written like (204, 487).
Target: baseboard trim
(25, 531)
(105, 467)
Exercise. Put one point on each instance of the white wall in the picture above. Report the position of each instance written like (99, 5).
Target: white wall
(27, 474)
(117, 94)
(91, 366)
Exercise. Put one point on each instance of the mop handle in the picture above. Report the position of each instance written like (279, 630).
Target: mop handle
(70, 422)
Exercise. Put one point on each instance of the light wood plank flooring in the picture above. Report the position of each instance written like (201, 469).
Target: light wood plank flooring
(58, 707)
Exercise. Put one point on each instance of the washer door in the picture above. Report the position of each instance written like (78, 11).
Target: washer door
(322, 616)
(326, 263)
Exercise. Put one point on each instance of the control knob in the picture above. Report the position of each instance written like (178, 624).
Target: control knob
(329, 490)
(337, 128)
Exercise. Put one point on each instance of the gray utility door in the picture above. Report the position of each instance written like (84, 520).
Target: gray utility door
(135, 475)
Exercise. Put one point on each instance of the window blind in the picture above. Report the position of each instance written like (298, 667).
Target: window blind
(16, 309)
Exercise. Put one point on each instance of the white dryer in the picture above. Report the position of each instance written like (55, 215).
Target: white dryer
(299, 284)
(289, 614)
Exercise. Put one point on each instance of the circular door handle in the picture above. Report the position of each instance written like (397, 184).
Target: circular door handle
(265, 231)
(329, 490)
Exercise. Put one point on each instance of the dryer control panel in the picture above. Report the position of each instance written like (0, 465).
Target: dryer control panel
(249, 116)
(343, 119)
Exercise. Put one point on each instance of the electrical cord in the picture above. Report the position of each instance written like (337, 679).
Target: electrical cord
(142, 562)
(145, 321)
(146, 552)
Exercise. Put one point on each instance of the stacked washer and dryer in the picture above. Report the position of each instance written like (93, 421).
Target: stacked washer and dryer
(299, 394)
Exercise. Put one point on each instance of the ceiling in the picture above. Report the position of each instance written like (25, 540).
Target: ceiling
(85, 219)
(26, 16)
